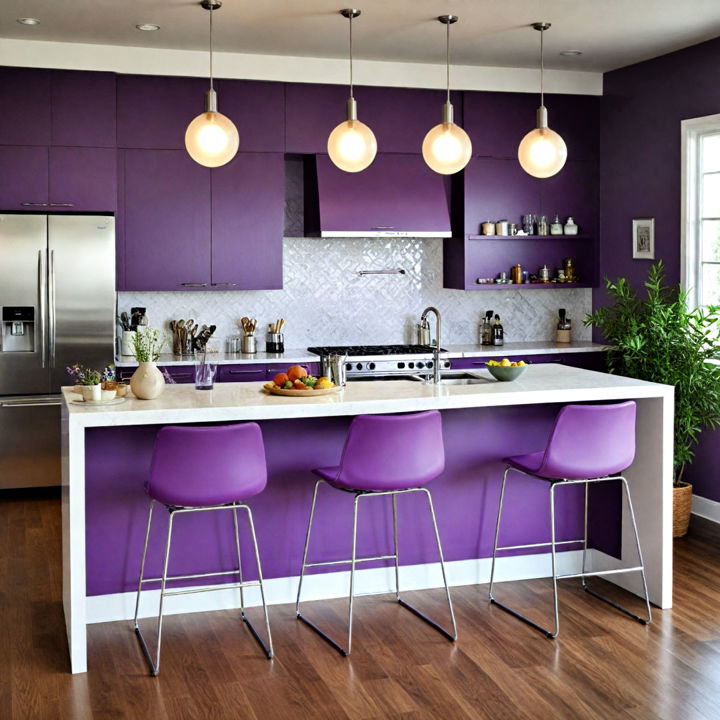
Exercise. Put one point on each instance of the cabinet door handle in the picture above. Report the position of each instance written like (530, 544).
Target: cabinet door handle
(33, 204)
(243, 372)
(223, 284)
(62, 204)
(384, 227)
(174, 376)
(193, 284)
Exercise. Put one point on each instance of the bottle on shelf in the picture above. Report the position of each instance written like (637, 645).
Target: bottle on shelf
(486, 330)
(498, 334)
(542, 225)
(556, 227)
(570, 227)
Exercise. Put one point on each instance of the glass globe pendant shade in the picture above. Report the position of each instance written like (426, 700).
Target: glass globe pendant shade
(447, 147)
(212, 139)
(352, 145)
(542, 152)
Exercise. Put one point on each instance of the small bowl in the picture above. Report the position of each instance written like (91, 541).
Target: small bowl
(108, 395)
(506, 373)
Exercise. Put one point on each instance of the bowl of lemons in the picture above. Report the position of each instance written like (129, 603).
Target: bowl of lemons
(505, 371)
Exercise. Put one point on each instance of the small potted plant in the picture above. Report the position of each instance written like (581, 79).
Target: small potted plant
(89, 381)
(147, 381)
(658, 338)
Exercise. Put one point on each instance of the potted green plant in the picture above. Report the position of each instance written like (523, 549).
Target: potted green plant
(658, 338)
(89, 381)
(147, 381)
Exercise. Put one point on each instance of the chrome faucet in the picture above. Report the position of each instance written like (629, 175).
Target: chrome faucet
(436, 351)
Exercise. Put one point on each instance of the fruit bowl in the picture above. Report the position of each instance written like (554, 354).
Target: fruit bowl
(297, 383)
(506, 373)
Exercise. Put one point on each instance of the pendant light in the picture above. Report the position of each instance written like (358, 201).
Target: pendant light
(211, 139)
(351, 145)
(447, 147)
(542, 152)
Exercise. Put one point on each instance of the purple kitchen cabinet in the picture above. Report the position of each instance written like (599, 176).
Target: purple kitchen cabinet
(258, 111)
(23, 178)
(399, 117)
(248, 211)
(83, 179)
(498, 121)
(24, 106)
(573, 191)
(166, 230)
(241, 373)
(83, 109)
(398, 192)
(154, 112)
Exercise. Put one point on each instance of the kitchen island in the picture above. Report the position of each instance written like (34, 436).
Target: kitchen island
(106, 455)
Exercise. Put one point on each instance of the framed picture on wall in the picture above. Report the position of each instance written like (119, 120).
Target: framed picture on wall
(643, 238)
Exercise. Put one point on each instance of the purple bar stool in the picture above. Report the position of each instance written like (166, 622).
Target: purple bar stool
(384, 455)
(198, 469)
(588, 444)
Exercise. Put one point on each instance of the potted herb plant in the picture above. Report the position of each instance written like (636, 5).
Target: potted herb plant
(147, 381)
(658, 338)
(89, 381)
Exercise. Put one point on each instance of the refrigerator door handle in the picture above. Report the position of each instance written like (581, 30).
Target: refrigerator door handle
(42, 303)
(51, 308)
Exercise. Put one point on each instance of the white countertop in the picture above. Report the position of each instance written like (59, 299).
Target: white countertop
(547, 383)
(303, 356)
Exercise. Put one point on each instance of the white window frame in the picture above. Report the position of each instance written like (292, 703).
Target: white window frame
(690, 238)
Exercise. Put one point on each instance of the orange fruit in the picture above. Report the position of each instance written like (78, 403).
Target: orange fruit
(296, 372)
(280, 379)
(299, 385)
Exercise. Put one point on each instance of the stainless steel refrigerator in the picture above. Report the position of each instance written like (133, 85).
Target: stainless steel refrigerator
(57, 307)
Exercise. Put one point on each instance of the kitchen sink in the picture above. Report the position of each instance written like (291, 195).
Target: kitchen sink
(455, 377)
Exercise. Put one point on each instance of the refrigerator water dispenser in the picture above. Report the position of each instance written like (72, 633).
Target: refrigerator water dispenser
(18, 329)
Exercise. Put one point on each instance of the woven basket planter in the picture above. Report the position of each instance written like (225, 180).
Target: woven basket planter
(682, 504)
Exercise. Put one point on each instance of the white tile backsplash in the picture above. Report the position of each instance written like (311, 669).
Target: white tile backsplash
(325, 302)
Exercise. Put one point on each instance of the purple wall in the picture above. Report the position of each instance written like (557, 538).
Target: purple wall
(640, 176)
(465, 498)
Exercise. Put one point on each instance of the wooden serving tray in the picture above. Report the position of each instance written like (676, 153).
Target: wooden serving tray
(303, 393)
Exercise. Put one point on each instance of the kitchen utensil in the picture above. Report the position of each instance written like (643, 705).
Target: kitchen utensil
(488, 228)
(506, 374)
(512, 228)
(248, 344)
(564, 327)
(333, 366)
(501, 227)
(127, 342)
(125, 320)
(274, 342)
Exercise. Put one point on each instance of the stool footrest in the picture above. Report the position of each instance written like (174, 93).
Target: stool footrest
(323, 635)
(428, 620)
(600, 572)
(540, 544)
(522, 617)
(190, 591)
(190, 577)
(348, 562)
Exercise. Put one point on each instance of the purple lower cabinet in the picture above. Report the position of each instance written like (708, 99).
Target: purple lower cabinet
(166, 223)
(465, 496)
(83, 179)
(248, 213)
(24, 178)
(396, 193)
(241, 373)
(83, 109)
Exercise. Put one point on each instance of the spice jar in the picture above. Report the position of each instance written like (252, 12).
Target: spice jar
(516, 274)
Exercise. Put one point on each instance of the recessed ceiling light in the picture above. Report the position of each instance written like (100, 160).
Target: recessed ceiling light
(28, 21)
(148, 27)
(570, 53)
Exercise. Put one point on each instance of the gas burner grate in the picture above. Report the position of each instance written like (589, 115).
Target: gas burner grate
(362, 350)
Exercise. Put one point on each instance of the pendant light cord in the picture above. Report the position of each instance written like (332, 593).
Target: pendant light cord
(212, 10)
(447, 60)
(542, 68)
(351, 57)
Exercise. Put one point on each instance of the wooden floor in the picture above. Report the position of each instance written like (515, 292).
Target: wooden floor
(602, 666)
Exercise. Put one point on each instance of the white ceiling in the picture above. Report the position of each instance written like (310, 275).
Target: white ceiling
(610, 33)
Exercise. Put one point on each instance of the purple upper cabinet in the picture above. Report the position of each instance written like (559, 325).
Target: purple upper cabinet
(497, 189)
(167, 221)
(23, 178)
(248, 201)
(399, 117)
(83, 109)
(497, 122)
(396, 194)
(83, 179)
(154, 112)
(24, 106)
(258, 111)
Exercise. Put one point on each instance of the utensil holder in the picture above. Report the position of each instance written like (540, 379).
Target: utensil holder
(127, 344)
(275, 343)
(248, 344)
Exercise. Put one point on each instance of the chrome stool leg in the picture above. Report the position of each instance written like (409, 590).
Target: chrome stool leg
(142, 563)
(497, 533)
(640, 568)
(269, 647)
(239, 559)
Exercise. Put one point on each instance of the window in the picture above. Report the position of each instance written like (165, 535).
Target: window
(701, 210)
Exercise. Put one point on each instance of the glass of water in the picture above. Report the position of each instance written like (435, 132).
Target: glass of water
(205, 375)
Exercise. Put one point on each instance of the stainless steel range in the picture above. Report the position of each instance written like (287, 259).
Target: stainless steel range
(376, 361)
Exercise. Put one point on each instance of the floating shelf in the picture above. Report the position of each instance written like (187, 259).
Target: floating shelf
(529, 237)
(529, 286)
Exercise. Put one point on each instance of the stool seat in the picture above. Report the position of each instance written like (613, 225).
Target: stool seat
(333, 476)
(530, 463)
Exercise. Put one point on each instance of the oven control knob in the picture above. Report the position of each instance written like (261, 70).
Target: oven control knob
(430, 364)
(447, 363)
(371, 366)
(359, 366)
(411, 365)
(348, 366)
(401, 366)
(420, 366)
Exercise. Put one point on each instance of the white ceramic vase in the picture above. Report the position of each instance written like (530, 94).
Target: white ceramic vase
(147, 381)
(92, 393)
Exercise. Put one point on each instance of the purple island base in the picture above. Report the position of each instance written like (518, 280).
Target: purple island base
(465, 497)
